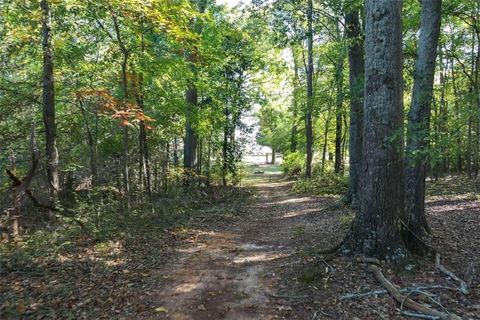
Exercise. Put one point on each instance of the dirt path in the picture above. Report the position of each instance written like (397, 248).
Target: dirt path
(230, 273)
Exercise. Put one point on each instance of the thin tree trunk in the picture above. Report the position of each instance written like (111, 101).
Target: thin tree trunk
(92, 144)
(325, 139)
(296, 85)
(418, 125)
(338, 166)
(308, 113)
(49, 104)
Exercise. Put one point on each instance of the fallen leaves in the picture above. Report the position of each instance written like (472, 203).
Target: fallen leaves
(161, 309)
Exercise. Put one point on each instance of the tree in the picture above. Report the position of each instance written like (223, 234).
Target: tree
(48, 103)
(356, 64)
(419, 124)
(191, 99)
(376, 230)
(308, 112)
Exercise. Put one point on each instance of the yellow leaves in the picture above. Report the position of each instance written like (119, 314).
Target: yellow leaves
(161, 309)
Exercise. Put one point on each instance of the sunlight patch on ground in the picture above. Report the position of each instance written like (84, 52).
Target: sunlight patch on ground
(192, 249)
(252, 246)
(295, 200)
(186, 287)
(260, 257)
(297, 213)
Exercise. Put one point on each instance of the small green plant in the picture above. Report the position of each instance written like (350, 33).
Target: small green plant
(299, 231)
(346, 220)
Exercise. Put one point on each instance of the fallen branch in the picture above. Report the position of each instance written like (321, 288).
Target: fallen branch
(352, 296)
(36, 203)
(463, 285)
(419, 315)
(471, 271)
(405, 300)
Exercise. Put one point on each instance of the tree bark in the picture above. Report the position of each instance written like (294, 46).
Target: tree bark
(356, 64)
(92, 143)
(49, 104)
(296, 85)
(418, 124)
(308, 113)
(376, 229)
(191, 97)
(338, 166)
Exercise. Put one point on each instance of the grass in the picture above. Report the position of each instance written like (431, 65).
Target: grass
(268, 172)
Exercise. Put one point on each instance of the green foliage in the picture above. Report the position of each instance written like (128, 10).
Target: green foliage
(293, 164)
(326, 184)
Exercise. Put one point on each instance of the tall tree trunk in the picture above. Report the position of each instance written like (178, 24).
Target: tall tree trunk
(143, 156)
(338, 166)
(418, 124)
(190, 141)
(124, 65)
(356, 64)
(296, 87)
(191, 97)
(376, 229)
(458, 149)
(308, 113)
(49, 104)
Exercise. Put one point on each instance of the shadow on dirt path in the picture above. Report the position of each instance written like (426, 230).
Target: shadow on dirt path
(230, 273)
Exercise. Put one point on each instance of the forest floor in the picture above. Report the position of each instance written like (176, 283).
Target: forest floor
(261, 262)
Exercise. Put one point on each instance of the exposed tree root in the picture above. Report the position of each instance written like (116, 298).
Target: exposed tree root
(408, 290)
(406, 301)
(361, 258)
(463, 285)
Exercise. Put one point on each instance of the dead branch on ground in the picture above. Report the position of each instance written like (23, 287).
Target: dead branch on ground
(405, 300)
(463, 285)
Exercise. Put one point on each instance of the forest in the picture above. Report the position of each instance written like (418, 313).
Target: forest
(224, 159)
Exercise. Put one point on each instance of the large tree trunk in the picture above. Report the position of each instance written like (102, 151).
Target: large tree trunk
(376, 230)
(356, 62)
(49, 104)
(308, 113)
(418, 124)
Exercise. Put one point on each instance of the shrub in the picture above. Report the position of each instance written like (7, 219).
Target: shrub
(293, 164)
(328, 183)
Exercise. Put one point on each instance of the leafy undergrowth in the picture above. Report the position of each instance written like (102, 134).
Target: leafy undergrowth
(325, 184)
(96, 263)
